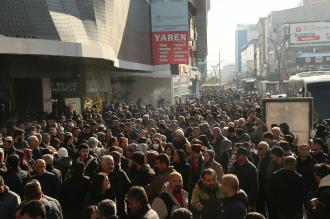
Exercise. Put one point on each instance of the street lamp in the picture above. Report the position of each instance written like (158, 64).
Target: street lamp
(278, 48)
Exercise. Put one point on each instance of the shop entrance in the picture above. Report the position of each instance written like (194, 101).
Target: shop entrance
(27, 97)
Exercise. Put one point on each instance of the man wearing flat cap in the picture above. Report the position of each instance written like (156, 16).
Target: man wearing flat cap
(247, 175)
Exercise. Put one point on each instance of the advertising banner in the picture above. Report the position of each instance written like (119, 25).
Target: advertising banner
(170, 32)
(315, 33)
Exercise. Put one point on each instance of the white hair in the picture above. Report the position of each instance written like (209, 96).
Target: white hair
(179, 132)
(105, 158)
(93, 142)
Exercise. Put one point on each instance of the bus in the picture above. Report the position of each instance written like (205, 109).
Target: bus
(314, 84)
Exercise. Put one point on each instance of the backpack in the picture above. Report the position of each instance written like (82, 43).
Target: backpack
(168, 202)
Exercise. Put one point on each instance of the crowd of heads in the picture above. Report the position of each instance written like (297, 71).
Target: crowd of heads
(204, 140)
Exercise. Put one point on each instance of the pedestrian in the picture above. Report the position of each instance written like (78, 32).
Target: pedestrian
(207, 196)
(137, 204)
(33, 191)
(91, 163)
(182, 166)
(49, 160)
(99, 190)
(209, 162)
(182, 213)
(74, 191)
(33, 209)
(49, 182)
(37, 151)
(305, 166)
(317, 153)
(264, 160)
(247, 175)
(142, 174)
(172, 197)
(9, 201)
(107, 209)
(235, 203)
(287, 190)
(320, 205)
(15, 177)
(163, 170)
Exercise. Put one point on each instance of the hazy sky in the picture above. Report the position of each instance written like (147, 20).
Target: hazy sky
(226, 14)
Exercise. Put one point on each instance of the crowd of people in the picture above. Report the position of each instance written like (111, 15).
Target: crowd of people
(208, 158)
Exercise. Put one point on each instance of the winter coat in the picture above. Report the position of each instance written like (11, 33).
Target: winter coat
(287, 191)
(156, 184)
(74, 191)
(160, 205)
(216, 167)
(235, 207)
(15, 179)
(91, 166)
(306, 169)
(262, 174)
(184, 168)
(56, 172)
(248, 180)
(9, 201)
(143, 177)
(50, 185)
(322, 208)
(64, 164)
(120, 184)
(210, 200)
(53, 211)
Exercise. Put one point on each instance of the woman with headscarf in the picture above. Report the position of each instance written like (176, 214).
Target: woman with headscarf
(209, 162)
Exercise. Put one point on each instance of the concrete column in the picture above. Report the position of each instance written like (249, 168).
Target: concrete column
(47, 95)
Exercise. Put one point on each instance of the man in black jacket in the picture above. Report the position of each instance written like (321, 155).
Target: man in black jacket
(37, 151)
(91, 163)
(49, 182)
(236, 201)
(120, 183)
(137, 204)
(305, 166)
(264, 159)
(321, 203)
(142, 174)
(318, 154)
(287, 191)
(15, 177)
(247, 175)
(74, 192)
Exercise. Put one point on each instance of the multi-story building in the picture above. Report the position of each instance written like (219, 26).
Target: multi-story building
(290, 36)
(244, 34)
(249, 60)
(79, 53)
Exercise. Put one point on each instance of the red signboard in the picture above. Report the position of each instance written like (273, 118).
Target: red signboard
(170, 47)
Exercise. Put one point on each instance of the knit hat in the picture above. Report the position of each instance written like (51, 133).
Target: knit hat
(62, 152)
(277, 151)
(226, 143)
(241, 151)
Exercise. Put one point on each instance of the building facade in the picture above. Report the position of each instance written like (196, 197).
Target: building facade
(279, 35)
(244, 34)
(77, 53)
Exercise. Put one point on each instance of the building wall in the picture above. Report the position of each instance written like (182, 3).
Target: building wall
(115, 28)
(240, 40)
(277, 26)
